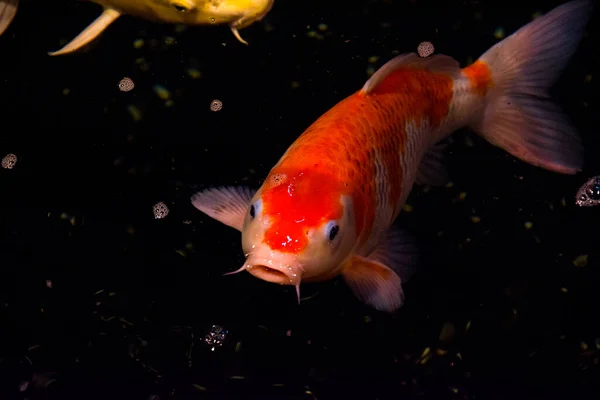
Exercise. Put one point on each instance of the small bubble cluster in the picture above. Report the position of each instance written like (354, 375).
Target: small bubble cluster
(9, 161)
(160, 210)
(216, 105)
(126, 84)
(425, 49)
(216, 336)
(589, 193)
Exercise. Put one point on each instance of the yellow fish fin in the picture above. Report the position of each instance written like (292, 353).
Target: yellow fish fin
(108, 16)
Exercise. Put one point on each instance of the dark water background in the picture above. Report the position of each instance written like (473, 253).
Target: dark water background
(533, 317)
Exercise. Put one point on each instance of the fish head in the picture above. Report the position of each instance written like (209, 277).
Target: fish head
(239, 13)
(299, 226)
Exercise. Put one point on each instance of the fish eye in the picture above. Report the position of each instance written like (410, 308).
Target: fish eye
(255, 208)
(332, 230)
(179, 6)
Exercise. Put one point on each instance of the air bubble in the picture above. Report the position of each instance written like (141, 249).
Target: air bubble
(216, 105)
(160, 210)
(9, 161)
(126, 84)
(425, 49)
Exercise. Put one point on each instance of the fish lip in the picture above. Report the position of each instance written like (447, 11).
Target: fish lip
(269, 270)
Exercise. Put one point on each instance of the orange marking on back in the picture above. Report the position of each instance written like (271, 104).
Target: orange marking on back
(480, 77)
(297, 201)
(337, 155)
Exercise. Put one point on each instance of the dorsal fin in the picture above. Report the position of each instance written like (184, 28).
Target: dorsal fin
(438, 63)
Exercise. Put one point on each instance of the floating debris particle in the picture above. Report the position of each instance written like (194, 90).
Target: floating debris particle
(447, 332)
(216, 105)
(126, 84)
(450, 184)
(588, 78)
(322, 27)
(295, 85)
(194, 73)
(536, 14)
(528, 225)
(499, 33)
(66, 91)
(180, 252)
(160, 210)
(367, 319)
(468, 326)
(425, 49)
(9, 161)
(169, 103)
(161, 92)
(425, 356)
(563, 289)
(216, 336)
(462, 196)
(370, 71)
(583, 345)
(238, 347)
(407, 207)
(198, 387)
(169, 40)
(179, 28)
(237, 377)
(581, 260)
(475, 219)
(373, 59)
(589, 193)
(48, 283)
(135, 113)
(138, 43)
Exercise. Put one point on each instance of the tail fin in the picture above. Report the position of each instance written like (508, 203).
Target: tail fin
(8, 10)
(518, 114)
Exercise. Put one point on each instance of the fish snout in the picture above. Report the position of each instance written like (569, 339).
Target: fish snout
(275, 271)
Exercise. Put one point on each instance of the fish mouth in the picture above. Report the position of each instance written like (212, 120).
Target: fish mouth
(269, 274)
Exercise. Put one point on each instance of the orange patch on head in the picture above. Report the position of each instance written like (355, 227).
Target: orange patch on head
(480, 76)
(304, 200)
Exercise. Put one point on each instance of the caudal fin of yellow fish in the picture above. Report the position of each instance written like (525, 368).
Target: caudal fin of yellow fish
(519, 115)
(377, 279)
(8, 10)
(90, 33)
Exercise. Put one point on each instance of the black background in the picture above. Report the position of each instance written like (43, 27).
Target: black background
(531, 311)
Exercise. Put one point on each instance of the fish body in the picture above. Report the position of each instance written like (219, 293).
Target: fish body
(237, 13)
(327, 207)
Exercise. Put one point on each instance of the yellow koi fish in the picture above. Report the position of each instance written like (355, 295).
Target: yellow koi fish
(237, 13)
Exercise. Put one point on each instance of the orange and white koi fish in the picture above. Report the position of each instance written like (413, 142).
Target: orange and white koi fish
(327, 207)
(237, 13)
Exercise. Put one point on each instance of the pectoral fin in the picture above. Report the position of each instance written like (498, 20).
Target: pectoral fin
(8, 10)
(237, 35)
(374, 284)
(228, 205)
(108, 16)
(377, 280)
